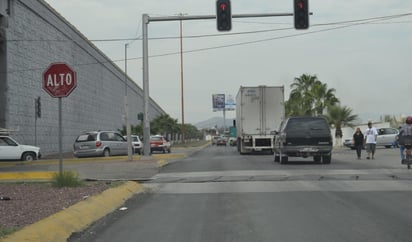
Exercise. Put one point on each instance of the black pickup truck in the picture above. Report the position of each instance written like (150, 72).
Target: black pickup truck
(303, 136)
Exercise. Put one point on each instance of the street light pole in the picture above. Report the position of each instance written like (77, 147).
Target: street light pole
(146, 122)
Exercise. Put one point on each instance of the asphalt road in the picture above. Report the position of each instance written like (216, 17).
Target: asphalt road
(218, 195)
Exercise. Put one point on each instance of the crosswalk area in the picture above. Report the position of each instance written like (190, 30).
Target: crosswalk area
(281, 181)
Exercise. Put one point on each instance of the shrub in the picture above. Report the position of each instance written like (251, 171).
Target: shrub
(6, 231)
(66, 179)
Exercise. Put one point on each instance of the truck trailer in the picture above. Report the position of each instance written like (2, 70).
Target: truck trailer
(259, 112)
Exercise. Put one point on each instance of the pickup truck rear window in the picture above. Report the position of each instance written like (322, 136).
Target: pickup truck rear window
(305, 124)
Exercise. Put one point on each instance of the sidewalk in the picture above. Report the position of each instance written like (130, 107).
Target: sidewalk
(94, 168)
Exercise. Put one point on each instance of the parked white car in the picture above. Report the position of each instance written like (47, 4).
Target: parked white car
(136, 144)
(10, 149)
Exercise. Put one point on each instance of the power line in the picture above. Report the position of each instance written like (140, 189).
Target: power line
(366, 20)
(342, 24)
(382, 18)
(349, 24)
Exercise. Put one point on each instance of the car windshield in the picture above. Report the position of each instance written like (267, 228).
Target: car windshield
(5, 141)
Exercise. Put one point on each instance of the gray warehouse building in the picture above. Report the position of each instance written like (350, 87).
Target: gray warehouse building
(32, 36)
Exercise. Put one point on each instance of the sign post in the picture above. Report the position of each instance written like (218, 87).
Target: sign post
(59, 80)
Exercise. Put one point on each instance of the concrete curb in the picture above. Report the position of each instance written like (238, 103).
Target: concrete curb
(4, 164)
(59, 227)
(161, 163)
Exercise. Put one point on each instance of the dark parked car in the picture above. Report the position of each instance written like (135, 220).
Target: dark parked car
(303, 136)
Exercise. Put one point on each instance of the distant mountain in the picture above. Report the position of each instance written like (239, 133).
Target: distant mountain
(213, 122)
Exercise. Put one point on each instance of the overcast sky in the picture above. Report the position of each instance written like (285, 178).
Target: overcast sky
(363, 49)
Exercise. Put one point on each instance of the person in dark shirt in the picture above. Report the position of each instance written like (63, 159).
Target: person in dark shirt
(357, 140)
(405, 134)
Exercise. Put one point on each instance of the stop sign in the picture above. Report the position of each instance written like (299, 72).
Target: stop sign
(59, 80)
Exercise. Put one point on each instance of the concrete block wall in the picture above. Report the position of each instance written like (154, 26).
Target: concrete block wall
(36, 36)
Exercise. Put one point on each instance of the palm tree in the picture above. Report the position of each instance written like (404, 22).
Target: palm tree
(300, 102)
(339, 116)
(323, 97)
(309, 96)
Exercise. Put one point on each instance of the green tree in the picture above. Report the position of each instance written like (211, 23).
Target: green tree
(137, 130)
(309, 96)
(300, 101)
(191, 132)
(164, 124)
(392, 120)
(323, 97)
(338, 117)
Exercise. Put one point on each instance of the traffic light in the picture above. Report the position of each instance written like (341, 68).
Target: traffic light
(38, 107)
(301, 14)
(223, 15)
(140, 116)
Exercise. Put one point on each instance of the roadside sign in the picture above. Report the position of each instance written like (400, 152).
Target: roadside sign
(59, 80)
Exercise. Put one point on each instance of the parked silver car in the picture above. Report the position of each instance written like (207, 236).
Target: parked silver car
(100, 143)
(387, 137)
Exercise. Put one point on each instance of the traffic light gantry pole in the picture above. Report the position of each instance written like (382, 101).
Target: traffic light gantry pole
(197, 17)
(146, 19)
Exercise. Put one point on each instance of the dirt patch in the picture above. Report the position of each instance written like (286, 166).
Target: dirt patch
(31, 202)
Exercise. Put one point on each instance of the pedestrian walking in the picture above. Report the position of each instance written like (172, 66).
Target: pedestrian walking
(371, 134)
(358, 141)
(405, 134)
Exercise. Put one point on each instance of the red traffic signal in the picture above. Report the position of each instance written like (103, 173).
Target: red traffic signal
(301, 13)
(223, 15)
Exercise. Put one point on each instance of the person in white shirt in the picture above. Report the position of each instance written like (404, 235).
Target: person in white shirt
(371, 134)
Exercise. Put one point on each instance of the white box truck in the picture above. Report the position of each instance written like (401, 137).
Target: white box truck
(259, 112)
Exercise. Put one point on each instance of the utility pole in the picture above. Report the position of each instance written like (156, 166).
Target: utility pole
(126, 109)
(146, 120)
(181, 81)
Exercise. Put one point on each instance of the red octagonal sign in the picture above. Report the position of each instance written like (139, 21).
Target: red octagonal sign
(59, 80)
